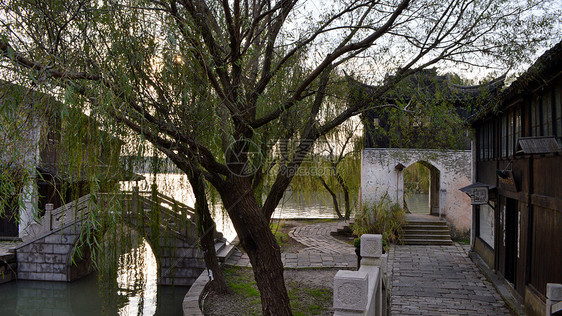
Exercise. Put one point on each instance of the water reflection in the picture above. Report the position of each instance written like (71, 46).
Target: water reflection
(298, 204)
(418, 203)
(51, 298)
(136, 293)
(137, 280)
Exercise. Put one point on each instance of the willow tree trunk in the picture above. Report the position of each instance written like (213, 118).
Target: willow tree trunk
(206, 232)
(334, 198)
(345, 190)
(252, 227)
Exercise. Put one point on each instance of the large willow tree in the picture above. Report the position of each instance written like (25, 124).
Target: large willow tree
(214, 85)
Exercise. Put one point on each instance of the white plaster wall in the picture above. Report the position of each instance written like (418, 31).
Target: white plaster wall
(379, 178)
(21, 151)
(28, 210)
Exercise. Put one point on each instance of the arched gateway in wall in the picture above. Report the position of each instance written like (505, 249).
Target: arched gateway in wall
(382, 174)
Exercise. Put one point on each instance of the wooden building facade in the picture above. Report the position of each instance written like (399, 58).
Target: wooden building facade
(519, 232)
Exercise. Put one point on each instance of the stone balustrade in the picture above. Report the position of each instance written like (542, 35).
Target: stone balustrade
(553, 298)
(361, 292)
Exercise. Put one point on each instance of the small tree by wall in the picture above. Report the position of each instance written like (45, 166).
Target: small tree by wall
(381, 217)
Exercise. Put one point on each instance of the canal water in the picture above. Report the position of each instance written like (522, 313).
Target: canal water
(136, 291)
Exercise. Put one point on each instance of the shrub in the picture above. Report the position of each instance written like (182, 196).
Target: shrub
(381, 217)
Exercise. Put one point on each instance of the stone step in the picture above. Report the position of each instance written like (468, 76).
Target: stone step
(225, 252)
(345, 229)
(219, 244)
(429, 242)
(426, 223)
(440, 237)
(7, 238)
(426, 227)
(342, 230)
(427, 231)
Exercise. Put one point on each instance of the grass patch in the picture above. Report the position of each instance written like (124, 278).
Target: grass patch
(245, 289)
(306, 301)
(241, 282)
(463, 241)
(319, 293)
(306, 298)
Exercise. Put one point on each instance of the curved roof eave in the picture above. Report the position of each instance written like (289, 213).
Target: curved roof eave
(545, 69)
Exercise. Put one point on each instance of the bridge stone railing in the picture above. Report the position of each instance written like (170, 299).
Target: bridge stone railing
(361, 292)
(57, 219)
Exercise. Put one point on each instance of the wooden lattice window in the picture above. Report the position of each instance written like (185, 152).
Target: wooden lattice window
(503, 135)
(546, 112)
(509, 127)
(517, 122)
(535, 118)
(558, 114)
(491, 142)
(481, 132)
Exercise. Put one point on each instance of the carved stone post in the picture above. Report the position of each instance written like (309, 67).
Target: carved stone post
(360, 292)
(49, 216)
(553, 298)
(351, 292)
(371, 249)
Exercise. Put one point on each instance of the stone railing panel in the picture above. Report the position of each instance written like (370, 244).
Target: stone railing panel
(351, 290)
(360, 292)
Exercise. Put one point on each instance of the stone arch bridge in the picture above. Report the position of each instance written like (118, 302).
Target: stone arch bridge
(382, 174)
(48, 255)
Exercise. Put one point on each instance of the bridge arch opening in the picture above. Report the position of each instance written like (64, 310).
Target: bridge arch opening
(79, 262)
(421, 186)
(123, 246)
(130, 279)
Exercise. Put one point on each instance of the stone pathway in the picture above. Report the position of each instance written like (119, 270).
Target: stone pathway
(317, 238)
(439, 280)
(322, 250)
(302, 260)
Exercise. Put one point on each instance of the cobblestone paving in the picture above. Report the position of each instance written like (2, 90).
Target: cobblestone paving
(317, 238)
(302, 260)
(440, 280)
(322, 250)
